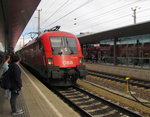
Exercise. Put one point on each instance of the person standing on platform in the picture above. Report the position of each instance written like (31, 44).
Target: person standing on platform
(16, 84)
(4, 67)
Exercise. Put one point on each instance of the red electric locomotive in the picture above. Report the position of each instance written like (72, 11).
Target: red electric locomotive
(56, 56)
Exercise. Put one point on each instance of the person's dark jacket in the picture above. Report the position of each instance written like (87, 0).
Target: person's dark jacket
(15, 78)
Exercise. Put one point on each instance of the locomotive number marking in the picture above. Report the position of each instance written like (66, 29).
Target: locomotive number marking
(67, 62)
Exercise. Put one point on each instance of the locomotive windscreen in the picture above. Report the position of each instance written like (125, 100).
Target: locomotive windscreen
(63, 45)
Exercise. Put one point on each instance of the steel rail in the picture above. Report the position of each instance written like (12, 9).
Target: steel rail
(72, 104)
(104, 101)
(119, 78)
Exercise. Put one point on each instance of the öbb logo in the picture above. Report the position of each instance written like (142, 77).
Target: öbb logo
(67, 62)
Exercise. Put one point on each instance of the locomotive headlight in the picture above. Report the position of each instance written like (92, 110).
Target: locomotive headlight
(81, 60)
(50, 61)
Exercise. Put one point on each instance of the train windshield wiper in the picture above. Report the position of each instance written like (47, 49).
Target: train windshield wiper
(61, 44)
(60, 52)
(52, 49)
(71, 51)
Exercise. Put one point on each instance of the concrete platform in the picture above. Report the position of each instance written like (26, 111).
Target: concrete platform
(36, 100)
(142, 74)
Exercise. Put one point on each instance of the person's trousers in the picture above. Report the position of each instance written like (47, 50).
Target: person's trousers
(13, 100)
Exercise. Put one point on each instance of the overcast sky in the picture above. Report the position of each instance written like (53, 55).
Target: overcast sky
(77, 16)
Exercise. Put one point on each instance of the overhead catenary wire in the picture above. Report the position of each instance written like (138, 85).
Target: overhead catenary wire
(45, 13)
(60, 10)
(143, 10)
(66, 22)
(116, 9)
(45, 2)
(102, 14)
(98, 23)
(145, 16)
(98, 18)
(106, 21)
(110, 20)
(110, 10)
(57, 10)
(70, 12)
(97, 10)
(55, 15)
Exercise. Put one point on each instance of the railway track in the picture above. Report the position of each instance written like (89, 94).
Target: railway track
(90, 105)
(132, 81)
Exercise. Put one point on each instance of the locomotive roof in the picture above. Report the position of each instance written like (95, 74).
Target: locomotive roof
(45, 33)
(132, 30)
(54, 32)
(30, 42)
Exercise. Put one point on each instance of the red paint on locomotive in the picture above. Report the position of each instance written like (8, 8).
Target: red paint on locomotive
(57, 56)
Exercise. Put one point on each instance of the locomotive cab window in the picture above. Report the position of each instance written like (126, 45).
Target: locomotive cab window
(63, 45)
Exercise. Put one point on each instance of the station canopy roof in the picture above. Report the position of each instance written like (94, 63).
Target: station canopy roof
(132, 30)
(15, 15)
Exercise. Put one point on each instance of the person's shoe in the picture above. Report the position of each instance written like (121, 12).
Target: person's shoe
(19, 110)
(17, 113)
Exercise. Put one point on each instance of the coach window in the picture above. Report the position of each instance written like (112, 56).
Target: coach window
(40, 46)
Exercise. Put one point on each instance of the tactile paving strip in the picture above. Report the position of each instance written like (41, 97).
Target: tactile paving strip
(21, 105)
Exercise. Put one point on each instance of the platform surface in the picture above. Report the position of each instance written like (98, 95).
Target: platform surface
(36, 100)
(138, 73)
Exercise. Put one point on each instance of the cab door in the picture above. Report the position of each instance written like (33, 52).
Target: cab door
(40, 57)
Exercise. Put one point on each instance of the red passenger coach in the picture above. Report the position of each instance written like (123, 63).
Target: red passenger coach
(56, 56)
